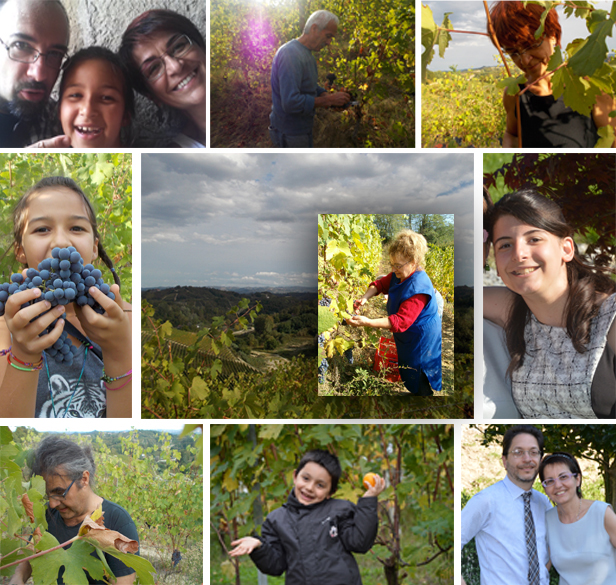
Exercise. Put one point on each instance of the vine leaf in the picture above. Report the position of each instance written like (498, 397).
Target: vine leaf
(578, 93)
(327, 320)
(592, 54)
(606, 137)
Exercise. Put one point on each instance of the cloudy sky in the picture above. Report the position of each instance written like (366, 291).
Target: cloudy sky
(471, 51)
(251, 219)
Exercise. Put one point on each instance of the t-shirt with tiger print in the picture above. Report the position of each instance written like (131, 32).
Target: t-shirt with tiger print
(62, 394)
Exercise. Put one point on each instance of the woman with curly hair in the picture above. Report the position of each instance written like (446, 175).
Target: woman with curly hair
(413, 315)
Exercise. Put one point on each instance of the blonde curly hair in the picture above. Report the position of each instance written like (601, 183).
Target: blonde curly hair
(411, 246)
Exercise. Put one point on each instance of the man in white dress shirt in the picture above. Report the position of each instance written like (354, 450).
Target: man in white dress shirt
(496, 516)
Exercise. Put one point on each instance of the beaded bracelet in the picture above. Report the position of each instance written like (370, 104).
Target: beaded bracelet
(109, 379)
(122, 386)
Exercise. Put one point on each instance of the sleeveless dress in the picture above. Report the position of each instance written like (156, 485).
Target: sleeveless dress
(548, 123)
(59, 395)
(582, 552)
(555, 380)
(419, 347)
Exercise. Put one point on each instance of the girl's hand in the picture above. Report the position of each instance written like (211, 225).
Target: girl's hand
(26, 343)
(358, 321)
(379, 486)
(112, 330)
(244, 546)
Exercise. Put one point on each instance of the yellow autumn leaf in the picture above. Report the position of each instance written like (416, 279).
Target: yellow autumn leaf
(229, 483)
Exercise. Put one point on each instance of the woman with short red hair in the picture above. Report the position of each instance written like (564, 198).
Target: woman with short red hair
(546, 122)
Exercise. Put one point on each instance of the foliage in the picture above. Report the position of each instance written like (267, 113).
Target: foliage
(462, 110)
(439, 267)
(349, 251)
(580, 75)
(252, 468)
(24, 528)
(372, 57)
(582, 185)
(105, 178)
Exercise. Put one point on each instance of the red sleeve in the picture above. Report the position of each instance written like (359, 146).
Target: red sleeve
(408, 311)
(382, 284)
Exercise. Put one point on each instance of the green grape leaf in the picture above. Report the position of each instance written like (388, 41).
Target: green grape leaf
(606, 137)
(594, 50)
(428, 38)
(198, 389)
(443, 36)
(6, 436)
(578, 93)
(327, 320)
(512, 84)
(143, 567)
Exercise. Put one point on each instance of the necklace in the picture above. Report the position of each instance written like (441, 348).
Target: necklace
(83, 367)
(578, 514)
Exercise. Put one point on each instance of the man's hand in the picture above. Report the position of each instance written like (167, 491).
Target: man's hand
(55, 142)
(337, 99)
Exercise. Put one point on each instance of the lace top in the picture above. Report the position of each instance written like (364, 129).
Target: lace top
(555, 380)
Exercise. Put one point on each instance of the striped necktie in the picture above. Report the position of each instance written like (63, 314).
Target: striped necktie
(531, 542)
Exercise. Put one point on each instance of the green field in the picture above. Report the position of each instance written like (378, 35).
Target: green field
(462, 109)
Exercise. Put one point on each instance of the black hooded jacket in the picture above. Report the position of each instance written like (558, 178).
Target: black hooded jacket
(313, 544)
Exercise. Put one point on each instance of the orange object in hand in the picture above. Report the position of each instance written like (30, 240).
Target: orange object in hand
(369, 480)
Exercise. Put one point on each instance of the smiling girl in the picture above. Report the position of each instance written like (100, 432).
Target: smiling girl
(558, 312)
(96, 99)
(56, 213)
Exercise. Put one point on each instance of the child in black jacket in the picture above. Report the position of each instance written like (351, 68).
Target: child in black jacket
(312, 536)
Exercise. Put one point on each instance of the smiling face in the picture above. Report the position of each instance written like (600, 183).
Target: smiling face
(522, 469)
(56, 217)
(25, 87)
(529, 260)
(404, 271)
(182, 84)
(312, 484)
(92, 107)
(533, 57)
(563, 489)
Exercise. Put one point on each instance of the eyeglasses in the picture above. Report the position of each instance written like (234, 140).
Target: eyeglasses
(517, 453)
(398, 266)
(563, 477)
(26, 53)
(517, 54)
(154, 68)
(61, 496)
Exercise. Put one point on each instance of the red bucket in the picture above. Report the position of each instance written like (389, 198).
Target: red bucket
(386, 359)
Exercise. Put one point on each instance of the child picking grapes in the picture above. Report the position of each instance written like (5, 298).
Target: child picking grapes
(96, 99)
(96, 381)
(313, 532)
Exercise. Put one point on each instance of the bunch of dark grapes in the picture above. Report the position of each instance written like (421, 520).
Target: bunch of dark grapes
(62, 279)
(324, 302)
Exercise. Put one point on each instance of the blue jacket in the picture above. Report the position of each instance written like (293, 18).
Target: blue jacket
(294, 87)
(419, 347)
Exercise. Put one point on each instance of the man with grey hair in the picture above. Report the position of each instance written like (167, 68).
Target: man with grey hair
(295, 91)
(69, 470)
(34, 36)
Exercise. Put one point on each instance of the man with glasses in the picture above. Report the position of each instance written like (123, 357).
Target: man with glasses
(295, 91)
(69, 470)
(507, 519)
(34, 36)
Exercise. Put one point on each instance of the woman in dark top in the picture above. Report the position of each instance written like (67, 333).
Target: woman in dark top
(545, 121)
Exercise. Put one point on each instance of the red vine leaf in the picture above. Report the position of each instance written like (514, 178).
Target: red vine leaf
(28, 507)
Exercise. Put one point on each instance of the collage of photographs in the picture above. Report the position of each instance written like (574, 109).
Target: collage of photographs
(365, 426)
